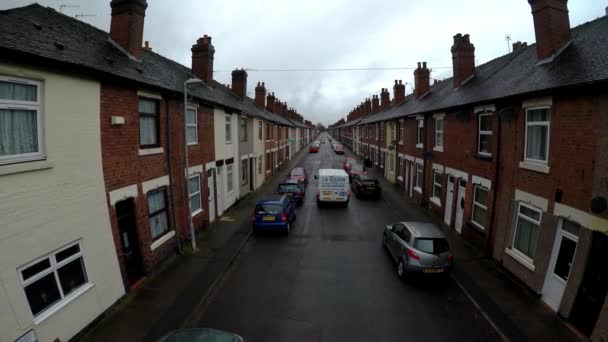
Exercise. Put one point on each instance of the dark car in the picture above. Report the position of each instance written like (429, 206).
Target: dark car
(274, 213)
(300, 174)
(364, 185)
(293, 188)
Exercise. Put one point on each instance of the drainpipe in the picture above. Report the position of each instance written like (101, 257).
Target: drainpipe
(171, 182)
(425, 145)
(489, 244)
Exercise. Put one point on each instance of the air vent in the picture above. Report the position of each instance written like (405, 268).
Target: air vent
(141, 71)
(37, 26)
(59, 46)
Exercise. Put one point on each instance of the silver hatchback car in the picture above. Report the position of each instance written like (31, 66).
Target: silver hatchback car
(418, 247)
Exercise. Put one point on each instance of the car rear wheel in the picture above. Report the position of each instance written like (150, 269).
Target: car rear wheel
(401, 269)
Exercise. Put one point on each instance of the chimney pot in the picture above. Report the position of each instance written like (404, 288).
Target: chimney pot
(127, 25)
(239, 82)
(270, 102)
(260, 95)
(421, 80)
(551, 26)
(463, 59)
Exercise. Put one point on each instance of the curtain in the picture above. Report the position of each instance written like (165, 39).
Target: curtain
(194, 185)
(18, 131)
(17, 91)
(537, 143)
(195, 202)
(525, 237)
(158, 222)
(191, 134)
(147, 130)
(147, 106)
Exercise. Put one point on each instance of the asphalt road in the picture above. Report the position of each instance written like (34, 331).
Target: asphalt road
(330, 280)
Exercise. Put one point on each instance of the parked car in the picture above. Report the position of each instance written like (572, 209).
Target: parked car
(332, 187)
(356, 169)
(418, 247)
(339, 149)
(348, 162)
(364, 185)
(200, 335)
(293, 188)
(274, 213)
(313, 148)
(300, 174)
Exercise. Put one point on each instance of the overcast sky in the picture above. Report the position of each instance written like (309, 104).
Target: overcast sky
(319, 34)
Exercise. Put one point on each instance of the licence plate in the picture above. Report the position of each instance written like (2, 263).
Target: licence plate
(433, 270)
(371, 188)
(268, 218)
(326, 193)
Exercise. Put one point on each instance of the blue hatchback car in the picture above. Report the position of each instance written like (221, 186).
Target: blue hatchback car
(274, 213)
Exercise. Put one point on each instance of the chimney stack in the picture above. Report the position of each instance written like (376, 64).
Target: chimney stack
(270, 99)
(202, 58)
(375, 103)
(399, 91)
(284, 109)
(551, 26)
(260, 95)
(368, 106)
(422, 77)
(385, 98)
(239, 82)
(519, 46)
(463, 59)
(127, 26)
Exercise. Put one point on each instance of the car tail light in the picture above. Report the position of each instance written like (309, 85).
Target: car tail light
(253, 217)
(451, 257)
(283, 217)
(412, 254)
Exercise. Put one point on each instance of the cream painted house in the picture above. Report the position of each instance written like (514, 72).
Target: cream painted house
(391, 152)
(226, 158)
(58, 271)
(258, 152)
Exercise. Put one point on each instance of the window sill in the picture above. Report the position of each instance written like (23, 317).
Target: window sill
(25, 167)
(418, 190)
(484, 157)
(193, 144)
(436, 201)
(522, 260)
(477, 226)
(150, 151)
(437, 148)
(543, 168)
(400, 143)
(418, 145)
(162, 240)
(196, 212)
(67, 300)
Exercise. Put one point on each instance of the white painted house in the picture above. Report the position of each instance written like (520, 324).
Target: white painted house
(226, 158)
(58, 271)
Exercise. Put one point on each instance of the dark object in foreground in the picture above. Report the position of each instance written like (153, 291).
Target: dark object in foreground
(364, 185)
(200, 335)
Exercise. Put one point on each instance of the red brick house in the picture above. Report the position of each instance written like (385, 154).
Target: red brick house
(512, 155)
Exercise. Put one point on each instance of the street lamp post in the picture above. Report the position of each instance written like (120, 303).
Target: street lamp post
(186, 83)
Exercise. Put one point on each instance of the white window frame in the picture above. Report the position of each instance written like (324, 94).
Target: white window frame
(228, 128)
(260, 130)
(195, 125)
(480, 133)
(26, 105)
(538, 123)
(419, 177)
(260, 165)
(479, 225)
(190, 195)
(419, 131)
(436, 185)
(529, 219)
(53, 269)
(243, 120)
(401, 132)
(439, 147)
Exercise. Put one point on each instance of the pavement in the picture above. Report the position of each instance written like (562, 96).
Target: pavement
(328, 280)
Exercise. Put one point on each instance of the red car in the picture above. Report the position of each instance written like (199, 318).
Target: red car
(356, 170)
(339, 149)
(300, 174)
(347, 163)
(313, 149)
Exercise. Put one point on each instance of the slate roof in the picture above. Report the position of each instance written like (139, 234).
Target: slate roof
(43, 33)
(583, 61)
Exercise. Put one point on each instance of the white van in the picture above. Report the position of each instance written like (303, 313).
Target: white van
(333, 187)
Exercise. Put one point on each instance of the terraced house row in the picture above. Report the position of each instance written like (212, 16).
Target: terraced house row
(513, 155)
(101, 165)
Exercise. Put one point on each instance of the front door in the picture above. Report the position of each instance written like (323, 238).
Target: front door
(592, 292)
(449, 199)
(251, 174)
(462, 185)
(562, 255)
(211, 197)
(219, 189)
(127, 228)
(411, 182)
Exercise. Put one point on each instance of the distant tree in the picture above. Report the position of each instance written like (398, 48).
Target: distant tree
(320, 127)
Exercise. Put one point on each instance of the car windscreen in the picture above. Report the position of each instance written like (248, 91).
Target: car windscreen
(270, 209)
(433, 246)
(288, 187)
(297, 172)
(356, 168)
